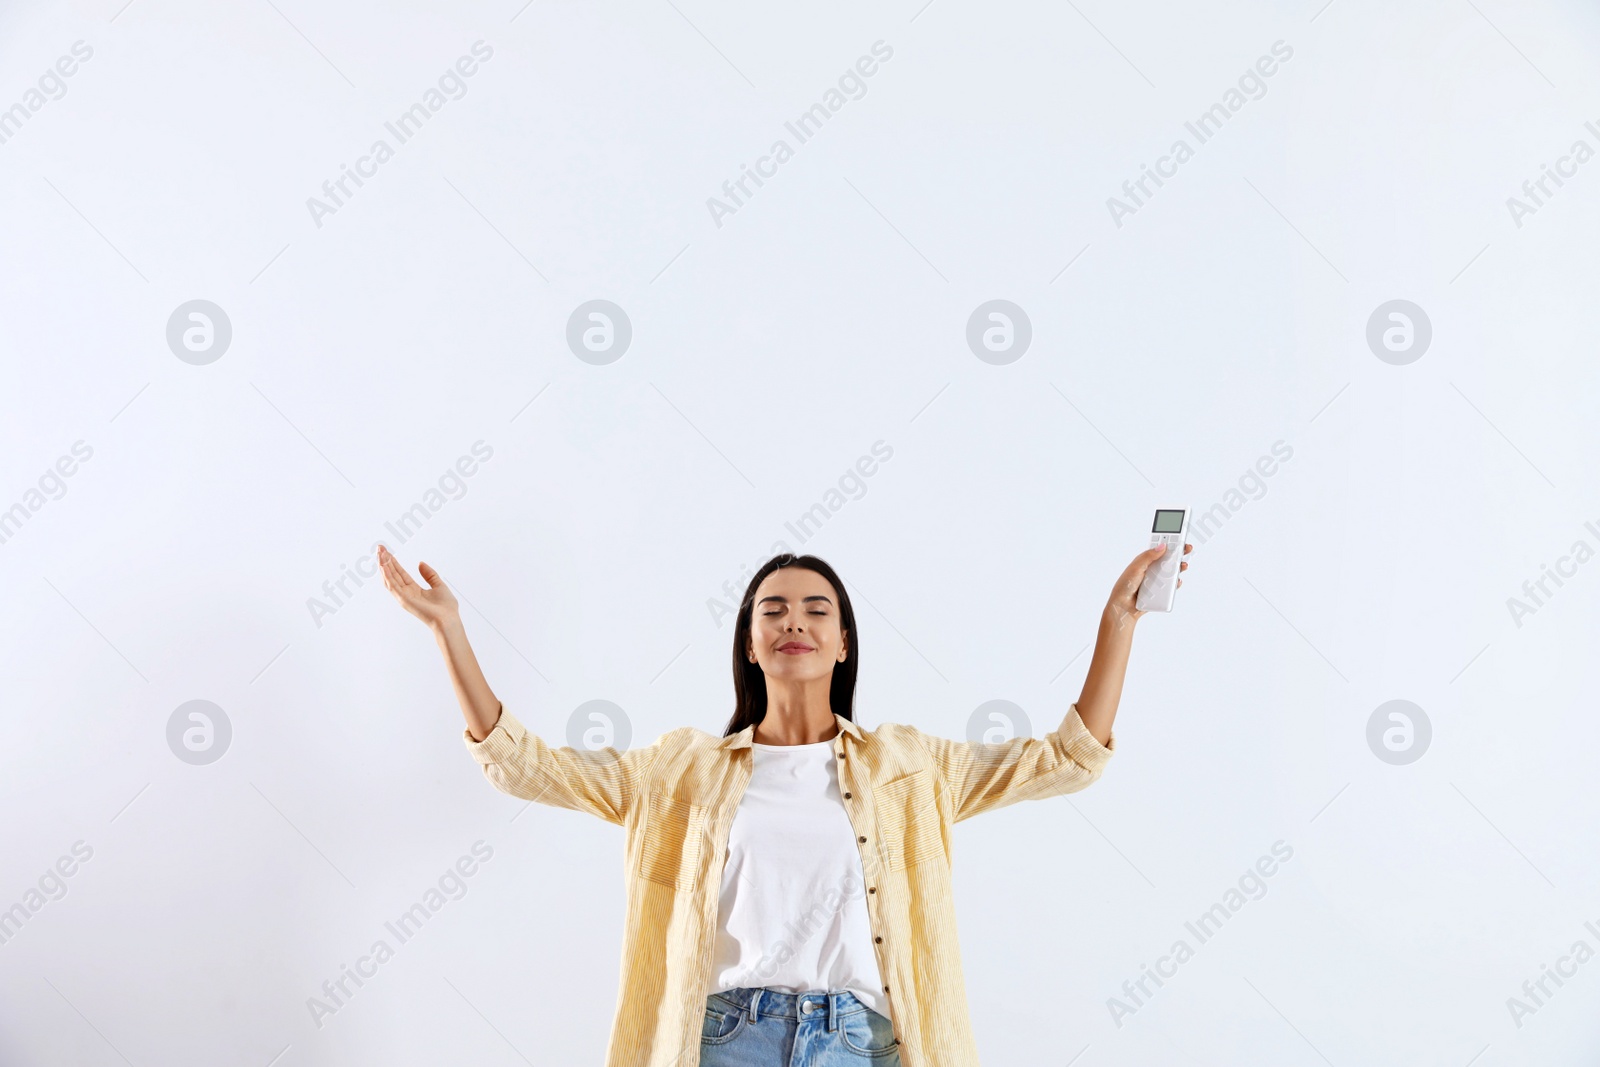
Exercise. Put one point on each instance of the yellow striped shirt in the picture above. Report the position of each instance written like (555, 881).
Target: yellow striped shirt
(676, 798)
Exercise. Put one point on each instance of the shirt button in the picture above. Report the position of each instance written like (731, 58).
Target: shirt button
(847, 796)
(878, 940)
(862, 840)
(872, 889)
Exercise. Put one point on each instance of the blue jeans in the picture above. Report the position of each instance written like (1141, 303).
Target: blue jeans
(763, 1028)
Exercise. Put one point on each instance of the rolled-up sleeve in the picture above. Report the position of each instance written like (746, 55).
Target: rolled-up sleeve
(980, 776)
(518, 762)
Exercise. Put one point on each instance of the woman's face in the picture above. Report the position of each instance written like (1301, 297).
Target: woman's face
(794, 626)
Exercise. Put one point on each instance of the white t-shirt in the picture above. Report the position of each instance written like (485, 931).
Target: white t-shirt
(793, 912)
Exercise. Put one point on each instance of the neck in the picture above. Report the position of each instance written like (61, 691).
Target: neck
(798, 713)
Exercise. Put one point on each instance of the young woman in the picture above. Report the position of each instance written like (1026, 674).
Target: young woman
(788, 883)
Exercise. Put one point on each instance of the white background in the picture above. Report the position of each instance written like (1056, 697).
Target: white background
(827, 313)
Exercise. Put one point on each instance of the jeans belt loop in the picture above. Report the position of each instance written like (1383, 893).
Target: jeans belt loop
(755, 1000)
(833, 1012)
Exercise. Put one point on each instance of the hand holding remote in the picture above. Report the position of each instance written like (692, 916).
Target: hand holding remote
(1160, 582)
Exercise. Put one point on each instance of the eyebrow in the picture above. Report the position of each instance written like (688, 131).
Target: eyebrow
(785, 600)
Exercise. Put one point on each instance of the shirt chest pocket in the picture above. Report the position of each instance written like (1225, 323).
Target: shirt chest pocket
(908, 820)
(669, 850)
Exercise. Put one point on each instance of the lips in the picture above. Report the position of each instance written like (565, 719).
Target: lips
(795, 648)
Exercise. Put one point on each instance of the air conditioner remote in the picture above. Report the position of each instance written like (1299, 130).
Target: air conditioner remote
(1161, 580)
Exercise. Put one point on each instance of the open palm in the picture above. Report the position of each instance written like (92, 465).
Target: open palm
(433, 604)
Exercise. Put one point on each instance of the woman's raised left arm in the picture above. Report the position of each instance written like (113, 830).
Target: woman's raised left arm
(1102, 687)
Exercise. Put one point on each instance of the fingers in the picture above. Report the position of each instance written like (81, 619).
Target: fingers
(1143, 562)
(401, 572)
(429, 575)
(387, 572)
(395, 576)
(1187, 548)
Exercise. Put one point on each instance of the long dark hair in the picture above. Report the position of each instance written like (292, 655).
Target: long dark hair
(750, 682)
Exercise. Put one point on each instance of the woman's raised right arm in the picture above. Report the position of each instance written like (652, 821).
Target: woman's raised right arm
(437, 607)
(602, 782)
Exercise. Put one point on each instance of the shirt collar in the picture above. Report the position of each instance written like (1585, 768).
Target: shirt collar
(743, 738)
